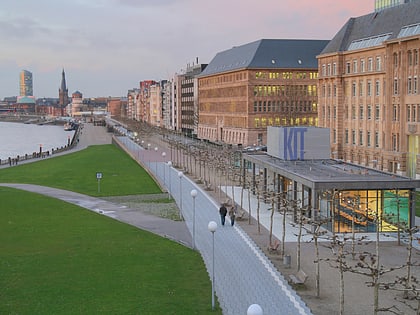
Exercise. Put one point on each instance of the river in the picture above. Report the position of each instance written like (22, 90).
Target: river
(20, 139)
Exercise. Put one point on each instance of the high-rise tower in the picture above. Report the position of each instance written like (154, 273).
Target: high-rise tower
(25, 83)
(384, 4)
(63, 95)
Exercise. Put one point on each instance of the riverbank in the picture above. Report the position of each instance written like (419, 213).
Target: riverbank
(17, 135)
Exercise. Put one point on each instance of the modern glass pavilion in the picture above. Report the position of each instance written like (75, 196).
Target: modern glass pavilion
(348, 195)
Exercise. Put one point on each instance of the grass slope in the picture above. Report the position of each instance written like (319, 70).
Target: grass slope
(57, 258)
(77, 172)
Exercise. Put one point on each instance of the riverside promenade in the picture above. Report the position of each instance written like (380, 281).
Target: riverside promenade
(243, 275)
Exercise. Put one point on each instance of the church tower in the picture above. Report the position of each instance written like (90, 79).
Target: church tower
(63, 95)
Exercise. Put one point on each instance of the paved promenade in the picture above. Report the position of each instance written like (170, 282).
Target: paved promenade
(243, 274)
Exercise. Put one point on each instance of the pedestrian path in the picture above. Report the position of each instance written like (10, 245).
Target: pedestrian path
(243, 274)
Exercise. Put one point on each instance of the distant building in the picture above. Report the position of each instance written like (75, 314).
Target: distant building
(76, 103)
(187, 99)
(369, 90)
(63, 94)
(269, 82)
(25, 83)
(385, 4)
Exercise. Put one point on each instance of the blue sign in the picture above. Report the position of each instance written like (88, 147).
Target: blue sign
(294, 143)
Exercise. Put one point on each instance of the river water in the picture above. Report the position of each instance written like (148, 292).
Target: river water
(20, 139)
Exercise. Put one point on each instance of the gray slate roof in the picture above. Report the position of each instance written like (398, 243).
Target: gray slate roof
(389, 20)
(268, 54)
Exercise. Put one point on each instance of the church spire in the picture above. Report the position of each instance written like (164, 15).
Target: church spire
(63, 95)
(63, 81)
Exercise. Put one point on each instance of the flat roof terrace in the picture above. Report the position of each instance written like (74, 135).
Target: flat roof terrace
(330, 174)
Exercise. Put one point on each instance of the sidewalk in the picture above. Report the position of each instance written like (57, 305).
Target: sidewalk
(243, 273)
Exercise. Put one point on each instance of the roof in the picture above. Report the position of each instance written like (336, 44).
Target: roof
(385, 25)
(26, 100)
(333, 174)
(268, 54)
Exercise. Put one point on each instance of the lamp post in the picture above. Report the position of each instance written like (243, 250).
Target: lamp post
(180, 174)
(169, 179)
(164, 175)
(193, 195)
(254, 309)
(212, 228)
(148, 155)
(156, 149)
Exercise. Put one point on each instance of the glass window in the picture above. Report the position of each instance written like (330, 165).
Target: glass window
(361, 112)
(377, 112)
(353, 137)
(376, 139)
(369, 112)
(368, 138)
(395, 86)
(369, 88)
(334, 68)
(377, 88)
(378, 64)
(348, 67)
(360, 137)
(346, 136)
(362, 65)
(354, 66)
(370, 64)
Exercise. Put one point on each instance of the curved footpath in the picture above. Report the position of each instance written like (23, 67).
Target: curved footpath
(243, 274)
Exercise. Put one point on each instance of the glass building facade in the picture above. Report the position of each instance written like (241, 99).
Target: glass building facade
(25, 83)
(384, 4)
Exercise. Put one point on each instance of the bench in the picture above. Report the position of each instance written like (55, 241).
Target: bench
(299, 278)
(273, 248)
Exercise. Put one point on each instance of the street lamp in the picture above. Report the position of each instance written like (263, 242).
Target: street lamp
(164, 175)
(212, 228)
(169, 179)
(156, 149)
(193, 195)
(180, 174)
(254, 309)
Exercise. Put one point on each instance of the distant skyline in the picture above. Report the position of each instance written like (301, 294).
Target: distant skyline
(108, 46)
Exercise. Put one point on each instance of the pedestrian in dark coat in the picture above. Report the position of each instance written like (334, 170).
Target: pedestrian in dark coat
(223, 212)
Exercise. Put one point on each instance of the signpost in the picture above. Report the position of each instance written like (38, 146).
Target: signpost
(98, 177)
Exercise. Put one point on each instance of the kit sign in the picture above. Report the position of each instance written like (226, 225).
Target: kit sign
(294, 143)
(298, 143)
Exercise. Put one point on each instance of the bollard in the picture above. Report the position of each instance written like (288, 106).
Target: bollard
(287, 260)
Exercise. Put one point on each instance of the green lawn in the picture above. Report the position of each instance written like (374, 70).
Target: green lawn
(121, 175)
(57, 258)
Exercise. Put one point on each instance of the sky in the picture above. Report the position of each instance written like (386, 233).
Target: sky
(106, 47)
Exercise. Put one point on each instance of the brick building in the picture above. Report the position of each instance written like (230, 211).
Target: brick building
(269, 82)
(369, 96)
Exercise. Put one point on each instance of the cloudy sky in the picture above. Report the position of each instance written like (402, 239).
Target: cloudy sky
(108, 46)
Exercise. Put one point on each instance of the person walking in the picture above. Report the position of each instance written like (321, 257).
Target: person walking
(223, 212)
(232, 215)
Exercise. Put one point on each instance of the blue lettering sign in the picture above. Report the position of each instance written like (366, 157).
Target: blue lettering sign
(294, 138)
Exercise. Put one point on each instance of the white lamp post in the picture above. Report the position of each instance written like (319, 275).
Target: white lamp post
(180, 174)
(148, 154)
(156, 149)
(212, 228)
(193, 195)
(164, 175)
(169, 179)
(254, 309)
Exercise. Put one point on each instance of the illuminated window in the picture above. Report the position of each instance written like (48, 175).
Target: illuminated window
(257, 122)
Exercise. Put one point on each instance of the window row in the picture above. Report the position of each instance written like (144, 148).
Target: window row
(285, 106)
(362, 137)
(286, 75)
(285, 121)
(285, 90)
(412, 58)
(354, 66)
(364, 112)
(413, 113)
